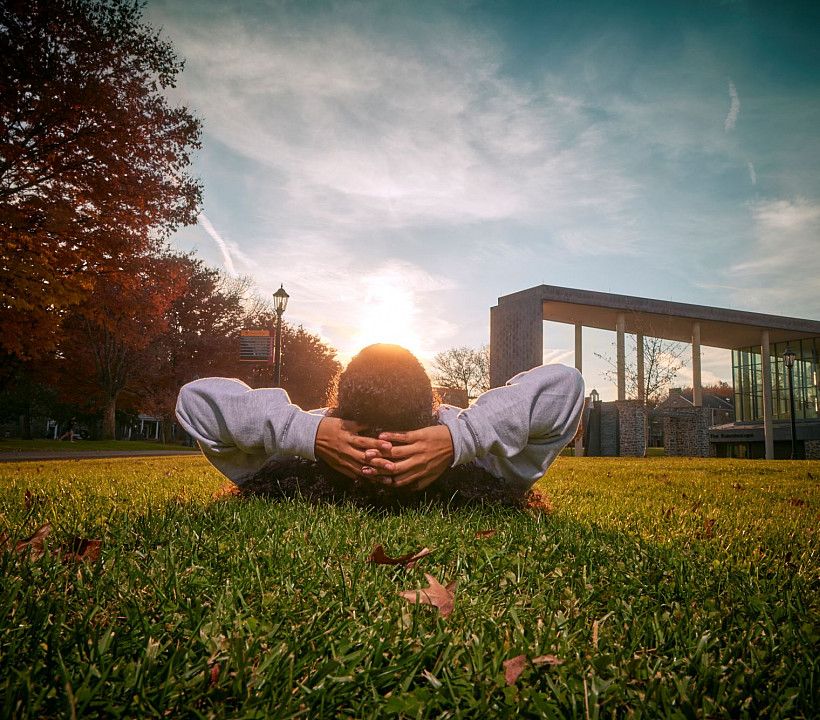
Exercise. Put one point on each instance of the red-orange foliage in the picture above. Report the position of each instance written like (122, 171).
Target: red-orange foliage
(93, 160)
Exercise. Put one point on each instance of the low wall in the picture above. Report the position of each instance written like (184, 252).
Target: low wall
(687, 434)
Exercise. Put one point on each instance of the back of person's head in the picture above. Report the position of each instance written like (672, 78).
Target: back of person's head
(385, 387)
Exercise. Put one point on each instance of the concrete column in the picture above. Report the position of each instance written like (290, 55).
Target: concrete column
(768, 414)
(641, 379)
(516, 339)
(697, 392)
(642, 391)
(620, 329)
(579, 443)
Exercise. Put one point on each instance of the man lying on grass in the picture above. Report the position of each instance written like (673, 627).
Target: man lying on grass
(385, 436)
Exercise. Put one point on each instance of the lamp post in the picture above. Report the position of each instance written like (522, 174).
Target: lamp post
(280, 302)
(594, 396)
(788, 358)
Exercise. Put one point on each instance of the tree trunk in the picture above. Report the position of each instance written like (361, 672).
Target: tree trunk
(109, 427)
(25, 425)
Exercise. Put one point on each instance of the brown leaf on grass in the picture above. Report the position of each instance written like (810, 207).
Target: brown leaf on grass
(214, 674)
(513, 668)
(595, 634)
(796, 502)
(378, 557)
(32, 499)
(438, 595)
(738, 487)
(3, 539)
(484, 534)
(34, 544)
(228, 489)
(667, 513)
(547, 660)
(707, 530)
(79, 549)
(538, 501)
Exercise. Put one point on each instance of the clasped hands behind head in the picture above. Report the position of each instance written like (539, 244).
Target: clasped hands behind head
(382, 425)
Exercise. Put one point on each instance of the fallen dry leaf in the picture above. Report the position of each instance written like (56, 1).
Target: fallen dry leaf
(80, 548)
(513, 668)
(379, 557)
(796, 502)
(707, 530)
(484, 534)
(547, 660)
(32, 500)
(595, 634)
(214, 674)
(34, 543)
(439, 595)
(538, 501)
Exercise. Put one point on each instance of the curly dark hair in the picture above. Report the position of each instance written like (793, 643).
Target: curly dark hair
(385, 387)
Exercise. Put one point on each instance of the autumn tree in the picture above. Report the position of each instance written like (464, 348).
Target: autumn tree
(108, 331)
(93, 159)
(464, 368)
(200, 338)
(661, 358)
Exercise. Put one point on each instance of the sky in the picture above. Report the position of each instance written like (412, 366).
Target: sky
(398, 166)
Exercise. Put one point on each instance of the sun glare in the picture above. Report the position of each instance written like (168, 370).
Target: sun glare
(389, 315)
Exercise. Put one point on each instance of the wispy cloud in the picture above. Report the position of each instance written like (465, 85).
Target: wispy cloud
(358, 132)
(783, 263)
(734, 109)
(752, 173)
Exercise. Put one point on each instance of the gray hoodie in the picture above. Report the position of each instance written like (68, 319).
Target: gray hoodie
(514, 432)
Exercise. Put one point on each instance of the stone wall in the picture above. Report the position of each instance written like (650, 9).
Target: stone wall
(631, 428)
(687, 434)
(812, 449)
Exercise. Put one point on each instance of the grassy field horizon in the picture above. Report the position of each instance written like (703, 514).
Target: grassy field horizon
(660, 587)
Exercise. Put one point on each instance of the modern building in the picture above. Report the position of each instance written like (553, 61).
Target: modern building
(762, 425)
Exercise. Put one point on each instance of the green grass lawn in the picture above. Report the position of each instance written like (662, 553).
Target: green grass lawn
(42, 445)
(663, 587)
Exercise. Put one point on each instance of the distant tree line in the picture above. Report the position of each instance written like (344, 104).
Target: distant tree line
(96, 313)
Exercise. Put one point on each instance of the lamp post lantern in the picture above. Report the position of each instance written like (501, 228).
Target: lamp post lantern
(788, 358)
(594, 396)
(280, 302)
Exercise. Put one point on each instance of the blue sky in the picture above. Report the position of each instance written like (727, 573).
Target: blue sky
(398, 166)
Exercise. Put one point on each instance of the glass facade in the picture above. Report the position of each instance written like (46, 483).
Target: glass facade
(747, 371)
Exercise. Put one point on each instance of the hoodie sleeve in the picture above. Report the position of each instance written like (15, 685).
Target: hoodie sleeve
(238, 428)
(516, 431)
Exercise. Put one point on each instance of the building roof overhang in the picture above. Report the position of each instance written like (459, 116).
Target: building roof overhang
(719, 327)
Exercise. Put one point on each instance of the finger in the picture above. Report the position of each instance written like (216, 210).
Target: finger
(404, 481)
(378, 475)
(402, 452)
(382, 464)
(367, 443)
(396, 437)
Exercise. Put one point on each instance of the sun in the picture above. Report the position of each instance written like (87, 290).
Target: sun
(389, 315)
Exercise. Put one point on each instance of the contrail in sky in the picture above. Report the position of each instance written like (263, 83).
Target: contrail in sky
(226, 254)
(734, 110)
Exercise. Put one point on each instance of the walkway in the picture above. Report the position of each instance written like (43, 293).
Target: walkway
(37, 456)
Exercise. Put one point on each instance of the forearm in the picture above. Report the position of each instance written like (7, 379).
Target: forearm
(238, 428)
(520, 428)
